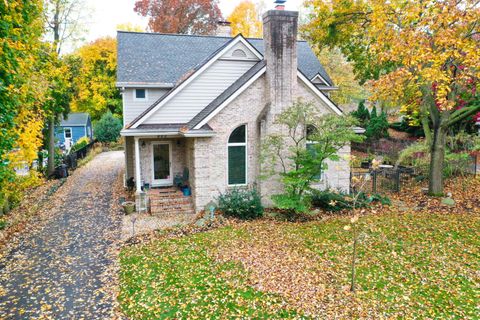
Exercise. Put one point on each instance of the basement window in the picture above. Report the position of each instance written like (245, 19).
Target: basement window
(140, 94)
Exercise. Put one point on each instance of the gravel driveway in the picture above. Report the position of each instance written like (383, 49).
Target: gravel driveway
(59, 268)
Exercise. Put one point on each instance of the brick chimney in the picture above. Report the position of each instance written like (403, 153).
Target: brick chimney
(224, 29)
(280, 39)
(280, 55)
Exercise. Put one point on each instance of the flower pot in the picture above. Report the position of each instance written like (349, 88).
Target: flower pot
(186, 191)
(128, 207)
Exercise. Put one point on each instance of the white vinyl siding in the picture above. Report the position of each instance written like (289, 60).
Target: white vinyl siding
(133, 108)
(200, 92)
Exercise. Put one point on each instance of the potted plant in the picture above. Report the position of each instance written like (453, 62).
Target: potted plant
(128, 207)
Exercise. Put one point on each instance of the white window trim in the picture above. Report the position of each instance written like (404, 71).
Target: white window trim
(238, 144)
(319, 93)
(64, 133)
(140, 99)
(321, 79)
(166, 182)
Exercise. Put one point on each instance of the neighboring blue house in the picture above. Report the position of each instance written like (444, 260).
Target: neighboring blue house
(74, 127)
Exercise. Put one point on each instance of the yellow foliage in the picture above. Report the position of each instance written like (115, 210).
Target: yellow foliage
(441, 51)
(342, 76)
(245, 20)
(96, 78)
(130, 27)
(29, 137)
(415, 45)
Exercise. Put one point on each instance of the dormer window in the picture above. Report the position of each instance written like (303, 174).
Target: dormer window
(239, 53)
(140, 94)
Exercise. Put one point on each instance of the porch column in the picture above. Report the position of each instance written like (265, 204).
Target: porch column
(138, 179)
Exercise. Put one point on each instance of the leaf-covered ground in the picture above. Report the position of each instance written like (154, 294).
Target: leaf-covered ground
(419, 260)
(60, 266)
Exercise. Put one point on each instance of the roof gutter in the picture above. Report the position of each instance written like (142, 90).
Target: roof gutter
(160, 85)
(326, 88)
(163, 134)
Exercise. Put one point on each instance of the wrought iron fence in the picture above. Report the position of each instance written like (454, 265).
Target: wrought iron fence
(393, 179)
(381, 180)
(70, 161)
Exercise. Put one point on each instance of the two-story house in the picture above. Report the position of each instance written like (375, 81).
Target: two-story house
(202, 104)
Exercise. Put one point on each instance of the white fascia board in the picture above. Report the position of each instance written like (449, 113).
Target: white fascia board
(326, 88)
(144, 85)
(149, 133)
(231, 98)
(320, 94)
(321, 78)
(202, 134)
(175, 91)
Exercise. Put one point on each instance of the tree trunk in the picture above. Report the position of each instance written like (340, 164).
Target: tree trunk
(426, 129)
(51, 146)
(437, 160)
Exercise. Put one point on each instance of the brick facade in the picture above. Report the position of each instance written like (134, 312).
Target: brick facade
(209, 172)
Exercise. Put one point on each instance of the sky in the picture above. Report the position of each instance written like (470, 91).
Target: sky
(105, 15)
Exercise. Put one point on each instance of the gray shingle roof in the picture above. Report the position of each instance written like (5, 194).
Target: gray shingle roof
(165, 58)
(75, 119)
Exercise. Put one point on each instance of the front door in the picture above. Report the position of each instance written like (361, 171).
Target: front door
(162, 164)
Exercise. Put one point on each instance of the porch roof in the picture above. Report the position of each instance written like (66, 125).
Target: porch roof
(173, 130)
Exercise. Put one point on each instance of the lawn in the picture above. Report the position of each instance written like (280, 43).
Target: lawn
(422, 265)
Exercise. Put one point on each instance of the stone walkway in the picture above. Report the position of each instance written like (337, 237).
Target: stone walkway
(59, 268)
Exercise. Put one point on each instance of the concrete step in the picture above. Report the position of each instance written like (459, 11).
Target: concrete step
(169, 201)
(158, 210)
(165, 213)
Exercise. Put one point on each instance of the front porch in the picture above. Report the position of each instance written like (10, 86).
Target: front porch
(155, 162)
(158, 165)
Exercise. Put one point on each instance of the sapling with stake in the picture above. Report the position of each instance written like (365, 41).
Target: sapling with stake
(362, 182)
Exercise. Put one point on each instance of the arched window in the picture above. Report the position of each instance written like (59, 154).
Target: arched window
(310, 145)
(237, 156)
(239, 53)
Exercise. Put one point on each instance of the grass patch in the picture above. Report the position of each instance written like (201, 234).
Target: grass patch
(177, 278)
(412, 265)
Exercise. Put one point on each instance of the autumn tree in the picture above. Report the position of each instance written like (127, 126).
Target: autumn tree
(300, 154)
(63, 20)
(341, 71)
(20, 33)
(130, 27)
(185, 16)
(245, 19)
(95, 82)
(21, 91)
(421, 54)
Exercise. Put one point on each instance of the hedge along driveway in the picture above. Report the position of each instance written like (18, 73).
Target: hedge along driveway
(58, 269)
